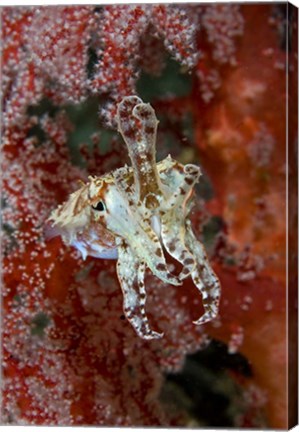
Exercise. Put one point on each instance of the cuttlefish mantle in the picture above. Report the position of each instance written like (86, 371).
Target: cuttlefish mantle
(131, 213)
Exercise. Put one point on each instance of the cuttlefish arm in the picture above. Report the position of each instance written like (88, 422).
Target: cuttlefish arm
(147, 246)
(173, 220)
(137, 124)
(180, 242)
(204, 278)
(130, 271)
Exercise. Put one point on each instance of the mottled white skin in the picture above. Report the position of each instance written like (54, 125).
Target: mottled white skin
(132, 212)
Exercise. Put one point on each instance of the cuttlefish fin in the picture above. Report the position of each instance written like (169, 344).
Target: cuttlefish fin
(137, 124)
(130, 271)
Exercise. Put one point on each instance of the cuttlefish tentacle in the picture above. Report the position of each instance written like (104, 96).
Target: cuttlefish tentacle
(137, 124)
(130, 272)
(173, 221)
(204, 278)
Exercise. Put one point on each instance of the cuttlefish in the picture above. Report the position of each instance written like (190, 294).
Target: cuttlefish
(134, 213)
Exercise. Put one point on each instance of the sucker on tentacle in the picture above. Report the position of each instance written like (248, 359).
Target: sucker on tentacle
(131, 213)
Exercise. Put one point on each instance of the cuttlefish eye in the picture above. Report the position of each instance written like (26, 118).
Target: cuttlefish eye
(99, 206)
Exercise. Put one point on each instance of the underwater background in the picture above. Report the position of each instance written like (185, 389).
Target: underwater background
(216, 76)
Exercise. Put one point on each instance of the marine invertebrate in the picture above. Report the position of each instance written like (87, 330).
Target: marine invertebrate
(132, 212)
